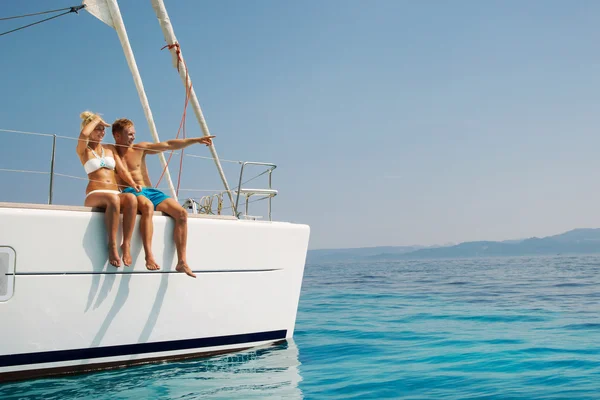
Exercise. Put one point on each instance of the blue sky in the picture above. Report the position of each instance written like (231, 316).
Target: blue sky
(391, 122)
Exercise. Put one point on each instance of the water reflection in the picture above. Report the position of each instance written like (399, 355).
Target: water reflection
(267, 372)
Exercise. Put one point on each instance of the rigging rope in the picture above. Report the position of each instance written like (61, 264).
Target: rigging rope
(37, 13)
(71, 10)
(188, 91)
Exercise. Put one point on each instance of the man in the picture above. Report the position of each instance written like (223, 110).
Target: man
(150, 199)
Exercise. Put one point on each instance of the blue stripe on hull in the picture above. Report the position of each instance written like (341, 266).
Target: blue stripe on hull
(134, 349)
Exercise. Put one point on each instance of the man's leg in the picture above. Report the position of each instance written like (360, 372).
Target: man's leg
(146, 208)
(175, 211)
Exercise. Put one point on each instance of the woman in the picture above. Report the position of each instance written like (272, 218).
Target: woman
(102, 191)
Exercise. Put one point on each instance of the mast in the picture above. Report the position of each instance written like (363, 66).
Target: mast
(108, 12)
(169, 34)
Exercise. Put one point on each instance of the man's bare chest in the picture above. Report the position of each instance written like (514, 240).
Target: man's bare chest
(133, 161)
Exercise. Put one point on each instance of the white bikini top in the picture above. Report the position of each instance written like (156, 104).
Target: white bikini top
(94, 164)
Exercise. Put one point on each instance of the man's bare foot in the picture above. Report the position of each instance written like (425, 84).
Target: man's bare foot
(151, 264)
(113, 256)
(183, 267)
(126, 249)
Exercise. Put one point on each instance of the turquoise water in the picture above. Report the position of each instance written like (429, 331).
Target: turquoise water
(454, 329)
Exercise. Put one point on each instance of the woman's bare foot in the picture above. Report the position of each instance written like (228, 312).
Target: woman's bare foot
(126, 249)
(113, 256)
(151, 264)
(183, 267)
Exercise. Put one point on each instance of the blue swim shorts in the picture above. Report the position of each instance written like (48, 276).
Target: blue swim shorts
(154, 195)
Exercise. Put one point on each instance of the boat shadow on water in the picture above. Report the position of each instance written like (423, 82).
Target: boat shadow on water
(265, 372)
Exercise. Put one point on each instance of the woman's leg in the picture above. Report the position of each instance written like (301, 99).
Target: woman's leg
(111, 203)
(129, 210)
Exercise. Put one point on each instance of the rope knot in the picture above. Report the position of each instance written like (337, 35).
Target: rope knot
(177, 51)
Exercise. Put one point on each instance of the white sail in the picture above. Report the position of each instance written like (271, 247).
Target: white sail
(108, 12)
(99, 9)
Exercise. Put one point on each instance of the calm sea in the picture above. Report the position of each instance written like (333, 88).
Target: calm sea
(526, 327)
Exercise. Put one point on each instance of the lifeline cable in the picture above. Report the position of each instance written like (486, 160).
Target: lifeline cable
(74, 9)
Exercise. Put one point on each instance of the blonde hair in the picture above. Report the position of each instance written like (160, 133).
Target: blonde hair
(87, 117)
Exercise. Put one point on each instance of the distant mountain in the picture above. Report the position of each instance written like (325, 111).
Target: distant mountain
(325, 255)
(576, 241)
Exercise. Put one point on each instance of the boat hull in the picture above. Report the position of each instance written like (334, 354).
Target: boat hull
(66, 310)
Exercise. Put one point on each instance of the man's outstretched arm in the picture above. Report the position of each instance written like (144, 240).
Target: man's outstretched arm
(174, 144)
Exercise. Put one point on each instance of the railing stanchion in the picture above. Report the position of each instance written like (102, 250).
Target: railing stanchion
(270, 197)
(51, 189)
(237, 198)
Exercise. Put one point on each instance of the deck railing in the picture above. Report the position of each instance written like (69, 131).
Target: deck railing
(202, 205)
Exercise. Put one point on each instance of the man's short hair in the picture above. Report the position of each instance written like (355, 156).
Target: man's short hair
(119, 125)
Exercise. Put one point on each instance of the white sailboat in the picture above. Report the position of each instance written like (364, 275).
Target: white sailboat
(64, 309)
